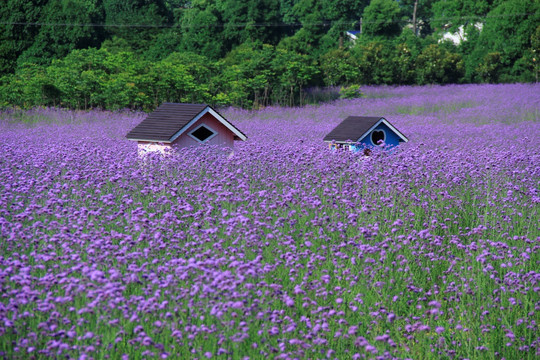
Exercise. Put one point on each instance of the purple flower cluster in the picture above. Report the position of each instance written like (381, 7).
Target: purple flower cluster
(284, 250)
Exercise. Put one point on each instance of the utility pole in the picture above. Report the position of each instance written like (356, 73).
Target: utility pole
(360, 25)
(414, 17)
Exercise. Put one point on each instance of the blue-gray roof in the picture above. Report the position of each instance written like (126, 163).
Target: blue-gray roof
(354, 128)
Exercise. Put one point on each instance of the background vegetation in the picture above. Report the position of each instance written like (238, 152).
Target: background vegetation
(139, 53)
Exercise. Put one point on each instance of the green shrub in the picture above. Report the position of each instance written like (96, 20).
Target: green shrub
(350, 92)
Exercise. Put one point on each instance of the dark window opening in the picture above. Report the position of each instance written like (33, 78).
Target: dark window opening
(202, 133)
(376, 136)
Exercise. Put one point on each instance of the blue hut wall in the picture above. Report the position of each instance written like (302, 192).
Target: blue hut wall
(391, 138)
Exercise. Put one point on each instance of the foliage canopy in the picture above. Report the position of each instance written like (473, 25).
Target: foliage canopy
(138, 53)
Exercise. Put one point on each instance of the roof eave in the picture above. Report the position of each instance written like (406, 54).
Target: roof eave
(340, 141)
(150, 140)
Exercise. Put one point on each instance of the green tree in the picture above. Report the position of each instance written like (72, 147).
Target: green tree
(419, 13)
(407, 48)
(17, 32)
(65, 28)
(138, 22)
(466, 48)
(125, 84)
(232, 87)
(508, 30)
(173, 5)
(339, 68)
(382, 18)
(167, 42)
(286, 11)
(250, 20)
(437, 65)
(200, 67)
(200, 34)
(306, 39)
(78, 78)
(526, 67)
(489, 70)
(449, 15)
(170, 81)
(250, 64)
(335, 38)
(24, 88)
(344, 10)
(375, 61)
(116, 45)
(294, 71)
(535, 53)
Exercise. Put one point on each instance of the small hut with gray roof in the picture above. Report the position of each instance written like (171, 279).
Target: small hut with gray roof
(361, 132)
(173, 126)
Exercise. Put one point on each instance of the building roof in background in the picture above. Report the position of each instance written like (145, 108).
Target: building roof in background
(170, 120)
(353, 34)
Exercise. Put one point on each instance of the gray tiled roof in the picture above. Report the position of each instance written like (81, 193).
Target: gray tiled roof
(165, 121)
(352, 128)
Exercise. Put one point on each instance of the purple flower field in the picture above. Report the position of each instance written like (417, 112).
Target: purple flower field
(286, 250)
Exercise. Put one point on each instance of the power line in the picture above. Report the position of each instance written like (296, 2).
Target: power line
(84, 25)
(297, 24)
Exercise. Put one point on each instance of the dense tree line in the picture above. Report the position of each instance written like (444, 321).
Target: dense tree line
(139, 53)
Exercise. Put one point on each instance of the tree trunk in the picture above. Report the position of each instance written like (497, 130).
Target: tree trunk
(414, 17)
(265, 99)
(291, 97)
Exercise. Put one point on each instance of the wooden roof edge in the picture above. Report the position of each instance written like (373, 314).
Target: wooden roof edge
(217, 116)
(243, 137)
(395, 130)
(148, 140)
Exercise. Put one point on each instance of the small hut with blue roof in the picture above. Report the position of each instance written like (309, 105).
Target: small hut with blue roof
(364, 132)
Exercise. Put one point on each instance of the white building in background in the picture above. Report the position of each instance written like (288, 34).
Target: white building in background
(460, 35)
(353, 35)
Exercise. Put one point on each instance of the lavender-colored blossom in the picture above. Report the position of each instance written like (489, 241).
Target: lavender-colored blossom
(199, 254)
